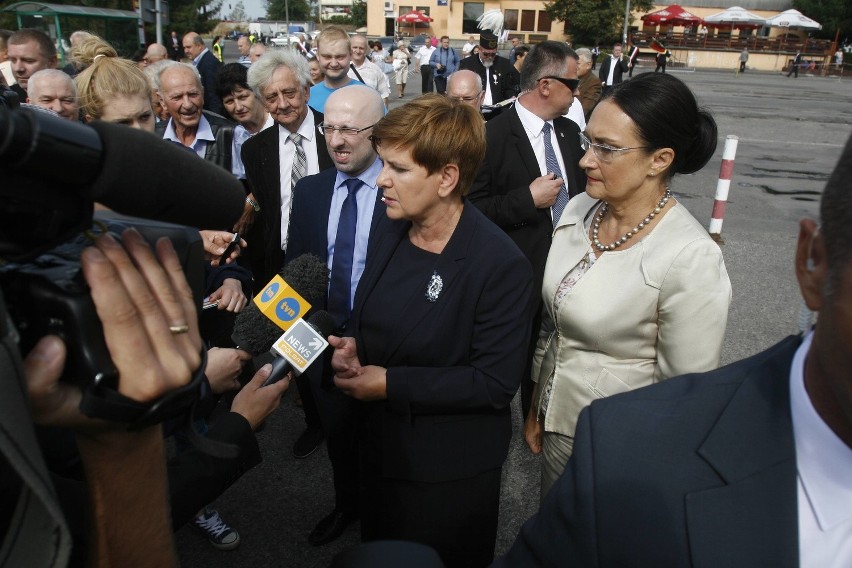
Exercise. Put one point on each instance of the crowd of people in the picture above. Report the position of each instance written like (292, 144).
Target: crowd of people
(523, 218)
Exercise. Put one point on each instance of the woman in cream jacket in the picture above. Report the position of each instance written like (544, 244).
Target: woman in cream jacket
(635, 291)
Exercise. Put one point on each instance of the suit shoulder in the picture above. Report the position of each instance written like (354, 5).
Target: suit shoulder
(487, 235)
(497, 127)
(566, 125)
(265, 136)
(772, 364)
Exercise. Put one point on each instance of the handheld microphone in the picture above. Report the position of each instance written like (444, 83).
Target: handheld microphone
(254, 330)
(257, 329)
(300, 345)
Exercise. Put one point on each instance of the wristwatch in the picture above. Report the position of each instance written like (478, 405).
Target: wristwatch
(254, 204)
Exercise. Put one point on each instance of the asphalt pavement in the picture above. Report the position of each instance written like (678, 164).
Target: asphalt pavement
(791, 133)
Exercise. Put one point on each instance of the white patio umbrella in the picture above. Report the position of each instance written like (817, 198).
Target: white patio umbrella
(736, 16)
(793, 19)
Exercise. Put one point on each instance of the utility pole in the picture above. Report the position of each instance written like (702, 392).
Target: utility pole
(626, 21)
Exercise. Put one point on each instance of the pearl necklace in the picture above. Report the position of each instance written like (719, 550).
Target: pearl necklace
(618, 242)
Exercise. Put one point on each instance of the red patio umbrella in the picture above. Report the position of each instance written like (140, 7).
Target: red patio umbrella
(414, 17)
(674, 15)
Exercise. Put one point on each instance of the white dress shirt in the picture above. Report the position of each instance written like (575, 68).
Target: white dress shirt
(824, 465)
(533, 125)
(286, 155)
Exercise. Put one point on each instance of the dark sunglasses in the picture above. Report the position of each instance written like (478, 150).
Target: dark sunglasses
(570, 83)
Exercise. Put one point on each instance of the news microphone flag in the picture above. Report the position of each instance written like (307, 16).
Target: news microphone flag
(279, 302)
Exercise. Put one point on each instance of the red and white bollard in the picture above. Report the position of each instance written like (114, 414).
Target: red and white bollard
(722, 187)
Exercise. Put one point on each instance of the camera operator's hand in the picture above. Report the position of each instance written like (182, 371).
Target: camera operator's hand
(138, 299)
(151, 331)
(215, 244)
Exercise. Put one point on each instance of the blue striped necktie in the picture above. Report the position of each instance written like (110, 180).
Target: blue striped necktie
(553, 167)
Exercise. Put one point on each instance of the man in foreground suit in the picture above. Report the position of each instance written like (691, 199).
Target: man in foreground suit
(275, 159)
(316, 227)
(748, 465)
(516, 187)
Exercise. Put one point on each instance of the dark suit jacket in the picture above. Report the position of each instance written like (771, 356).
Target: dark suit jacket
(308, 232)
(453, 365)
(505, 79)
(501, 189)
(697, 471)
(208, 67)
(620, 69)
(263, 171)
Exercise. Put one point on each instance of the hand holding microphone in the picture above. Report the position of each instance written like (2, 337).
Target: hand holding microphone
(280, 306)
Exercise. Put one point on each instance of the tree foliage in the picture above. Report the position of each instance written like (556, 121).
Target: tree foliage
(359, 13)
(832, 14)
(591, 21)
(300, 10)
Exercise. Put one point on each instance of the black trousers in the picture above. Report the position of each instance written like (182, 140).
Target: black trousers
(426, 77)
(457, 518)
(440, 84)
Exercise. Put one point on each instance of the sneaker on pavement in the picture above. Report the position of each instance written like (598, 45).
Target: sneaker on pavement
(217, 531)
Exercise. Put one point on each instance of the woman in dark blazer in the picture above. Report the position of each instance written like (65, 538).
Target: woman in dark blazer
(438, 341)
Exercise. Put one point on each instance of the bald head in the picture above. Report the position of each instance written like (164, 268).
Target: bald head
(55, 90)
(465, 87)
(155, 52)
(193, 45)
(356, 107)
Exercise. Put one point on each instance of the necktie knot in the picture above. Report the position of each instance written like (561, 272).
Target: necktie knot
(295, 138)
(546, 129)
(353, 185)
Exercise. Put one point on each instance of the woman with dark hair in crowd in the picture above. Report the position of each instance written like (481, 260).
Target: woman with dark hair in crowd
(436, 384)
(635, 291)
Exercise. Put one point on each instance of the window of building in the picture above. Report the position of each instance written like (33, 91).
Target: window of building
(510, 20)
(471, 11)
(405, 9)
(543, 21)
(423, 9)
(527, 20)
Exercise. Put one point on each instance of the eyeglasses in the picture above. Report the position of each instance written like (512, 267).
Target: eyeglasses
(570, 83)
(464, 99)
(604, 152)
(327, 130)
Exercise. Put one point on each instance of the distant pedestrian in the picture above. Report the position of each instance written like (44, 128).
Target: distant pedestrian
(596, 51)
(662, 59)
(794, 66)
(743, 59)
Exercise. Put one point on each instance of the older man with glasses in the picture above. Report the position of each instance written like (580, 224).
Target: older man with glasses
(466, 87)
(499, 76)
(531, 167)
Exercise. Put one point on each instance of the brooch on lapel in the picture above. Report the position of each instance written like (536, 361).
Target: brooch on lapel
(495, 77)
(433, 289)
